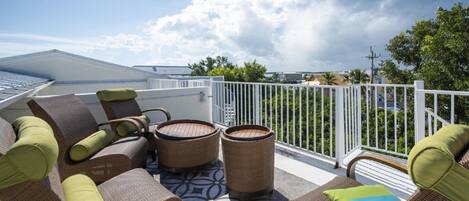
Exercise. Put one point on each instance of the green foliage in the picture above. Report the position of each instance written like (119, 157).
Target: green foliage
(253, 71)
(220, 66)
(358, 76)
(395, 75)
(329, 78)
(435, 50)
(204, 66)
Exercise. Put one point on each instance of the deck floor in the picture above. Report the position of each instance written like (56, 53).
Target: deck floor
(296, 173)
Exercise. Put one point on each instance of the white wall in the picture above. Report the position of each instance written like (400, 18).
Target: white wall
(60, 89)
(184, 103)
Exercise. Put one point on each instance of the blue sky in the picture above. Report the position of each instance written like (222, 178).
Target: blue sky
(288, 35)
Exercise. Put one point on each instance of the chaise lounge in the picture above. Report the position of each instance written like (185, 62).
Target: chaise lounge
(28, 171)
(438, 165)
(73, 123)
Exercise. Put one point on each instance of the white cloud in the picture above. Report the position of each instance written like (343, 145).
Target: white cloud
(285, 35)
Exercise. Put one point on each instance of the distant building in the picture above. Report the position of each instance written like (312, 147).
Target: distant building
(165, 70)
(293, 77)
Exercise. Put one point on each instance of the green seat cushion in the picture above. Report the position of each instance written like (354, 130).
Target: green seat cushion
(126, 128)
(361, 193)
(121, 94)
(80, 187)
(432, 163)
(91, 144)
(33, 156)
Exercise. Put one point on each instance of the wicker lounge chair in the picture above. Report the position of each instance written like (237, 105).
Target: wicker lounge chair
(121, 103)
(72, 121)
(37, 147)
(423, 193)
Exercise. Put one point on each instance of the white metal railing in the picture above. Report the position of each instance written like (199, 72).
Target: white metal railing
(440, 108)
(334, 121)
(174, 83)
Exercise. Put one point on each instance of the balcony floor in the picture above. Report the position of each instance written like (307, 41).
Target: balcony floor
(296, 173)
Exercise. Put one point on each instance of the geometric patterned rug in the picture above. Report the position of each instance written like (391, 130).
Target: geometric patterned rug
(207, 183)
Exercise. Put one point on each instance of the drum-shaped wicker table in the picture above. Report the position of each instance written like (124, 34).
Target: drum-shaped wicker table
(183, 145)
(248, 156)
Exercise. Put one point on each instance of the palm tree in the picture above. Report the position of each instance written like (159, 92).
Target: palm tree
(358, 76)
(329, 78)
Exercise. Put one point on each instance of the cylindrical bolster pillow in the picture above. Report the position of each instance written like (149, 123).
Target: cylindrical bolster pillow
(120, 94)
(91, 144)
(32, 156)
(80, 187)
(432, 163)
(125, 128)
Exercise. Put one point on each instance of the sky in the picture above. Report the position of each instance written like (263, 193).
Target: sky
(284, 35)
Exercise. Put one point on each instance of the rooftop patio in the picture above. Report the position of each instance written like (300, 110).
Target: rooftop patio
(319, 129)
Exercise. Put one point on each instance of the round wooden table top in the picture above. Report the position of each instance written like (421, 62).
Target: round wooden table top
(185, 129)
(248, 132)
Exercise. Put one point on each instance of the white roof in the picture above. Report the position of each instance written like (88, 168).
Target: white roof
(14, 86)
(67, 67)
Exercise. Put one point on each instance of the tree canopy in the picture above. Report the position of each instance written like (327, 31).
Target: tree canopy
(221, 66)
(434, 50)
(329, 78)
(358, 76)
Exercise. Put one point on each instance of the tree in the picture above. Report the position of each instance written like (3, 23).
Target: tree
(253, 71)
(435, 50)
(329, 78)
(229, 74)
(358, 76)
(395, 75)
(204, 66)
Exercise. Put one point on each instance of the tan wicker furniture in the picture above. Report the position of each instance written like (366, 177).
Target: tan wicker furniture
(128, 108)
(248, 156)
(186, 144)
(72, 121)
(132, 185)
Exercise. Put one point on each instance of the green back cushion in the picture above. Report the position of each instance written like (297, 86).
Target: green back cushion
(432, 163)
(91, 144)
(361, 193)
(32, 156)
(126, 128)
(80, 187)
(121, 94)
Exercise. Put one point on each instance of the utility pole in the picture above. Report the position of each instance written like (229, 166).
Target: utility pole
(372, 57)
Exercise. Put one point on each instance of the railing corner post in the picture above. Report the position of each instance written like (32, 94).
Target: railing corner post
(419, 110)
(339, 126)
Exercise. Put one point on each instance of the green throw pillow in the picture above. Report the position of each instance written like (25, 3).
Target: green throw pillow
(361, 193)
(126, 128)
(91, 144)
(80, 187)
(121, 94)
(32, 156)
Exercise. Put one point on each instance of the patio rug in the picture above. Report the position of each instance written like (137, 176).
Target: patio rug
(207, 183)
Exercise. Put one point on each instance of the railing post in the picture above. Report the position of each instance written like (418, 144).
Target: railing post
(339, 127)
(257, 104)
(210, 99)
(419, 110)
(359, 115)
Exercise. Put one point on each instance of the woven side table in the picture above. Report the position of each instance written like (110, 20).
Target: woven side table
(248, 156)
(184, 145)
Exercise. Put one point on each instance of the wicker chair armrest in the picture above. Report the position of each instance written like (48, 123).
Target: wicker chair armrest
(132, 121)
(166, 113)
(377, 158)
(142, 123)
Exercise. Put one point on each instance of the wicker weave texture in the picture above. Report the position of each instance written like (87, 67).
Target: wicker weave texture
(249, 165)
(72, 121)
(177, 155)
